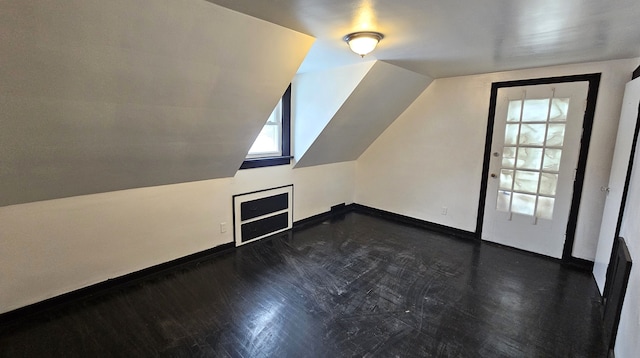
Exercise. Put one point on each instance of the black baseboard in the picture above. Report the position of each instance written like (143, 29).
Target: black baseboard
(312, 220)
(581, 264)
(104, 287)
(414, 222)
(574, 262)
(340, 209)
(336, 211)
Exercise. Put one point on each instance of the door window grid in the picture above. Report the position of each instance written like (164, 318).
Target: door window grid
(534, 137)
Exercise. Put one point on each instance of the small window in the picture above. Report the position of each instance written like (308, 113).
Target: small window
(269, 141)
(272, 147)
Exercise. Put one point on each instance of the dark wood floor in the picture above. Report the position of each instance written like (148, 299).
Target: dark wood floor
(360, 286)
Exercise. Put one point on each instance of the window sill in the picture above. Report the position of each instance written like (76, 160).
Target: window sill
(265, 162)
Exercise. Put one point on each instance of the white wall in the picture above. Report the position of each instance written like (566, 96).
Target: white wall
(316, 189)
(627, 343)
(617, 179)
(51, 247)
(431, 156)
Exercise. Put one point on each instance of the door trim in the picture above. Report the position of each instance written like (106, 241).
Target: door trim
(594, 84)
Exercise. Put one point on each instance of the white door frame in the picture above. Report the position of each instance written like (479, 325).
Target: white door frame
(587, 126)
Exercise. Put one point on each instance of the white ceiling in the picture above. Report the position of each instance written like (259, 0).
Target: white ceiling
(443, 38)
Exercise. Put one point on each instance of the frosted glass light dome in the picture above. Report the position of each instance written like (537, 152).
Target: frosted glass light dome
(363, 43)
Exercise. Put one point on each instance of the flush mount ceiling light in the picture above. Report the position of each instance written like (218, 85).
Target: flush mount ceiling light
(363, 42)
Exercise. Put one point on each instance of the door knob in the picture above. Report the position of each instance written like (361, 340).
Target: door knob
(493, 175)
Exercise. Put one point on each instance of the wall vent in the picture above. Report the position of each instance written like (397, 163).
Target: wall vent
(263, 213)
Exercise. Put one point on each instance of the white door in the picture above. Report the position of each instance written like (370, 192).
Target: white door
(617, 179)
(534, 155)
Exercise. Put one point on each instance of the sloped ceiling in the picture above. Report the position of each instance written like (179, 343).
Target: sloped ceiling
(99, 95)
(379, 98)
(317, 96)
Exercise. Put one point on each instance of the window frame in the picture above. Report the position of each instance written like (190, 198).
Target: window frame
(285, 140)
(274, 121)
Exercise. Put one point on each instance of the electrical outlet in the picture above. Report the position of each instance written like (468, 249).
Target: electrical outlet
(223, 227)
(444, 210)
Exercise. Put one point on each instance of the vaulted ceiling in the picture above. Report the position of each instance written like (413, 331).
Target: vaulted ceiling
(459, 37)
(99, 96)
(108, 95)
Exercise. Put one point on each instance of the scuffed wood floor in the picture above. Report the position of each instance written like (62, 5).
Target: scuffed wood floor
(360, 286)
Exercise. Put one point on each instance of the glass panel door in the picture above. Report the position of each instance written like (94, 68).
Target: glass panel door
(535, 147)
(534, 136)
